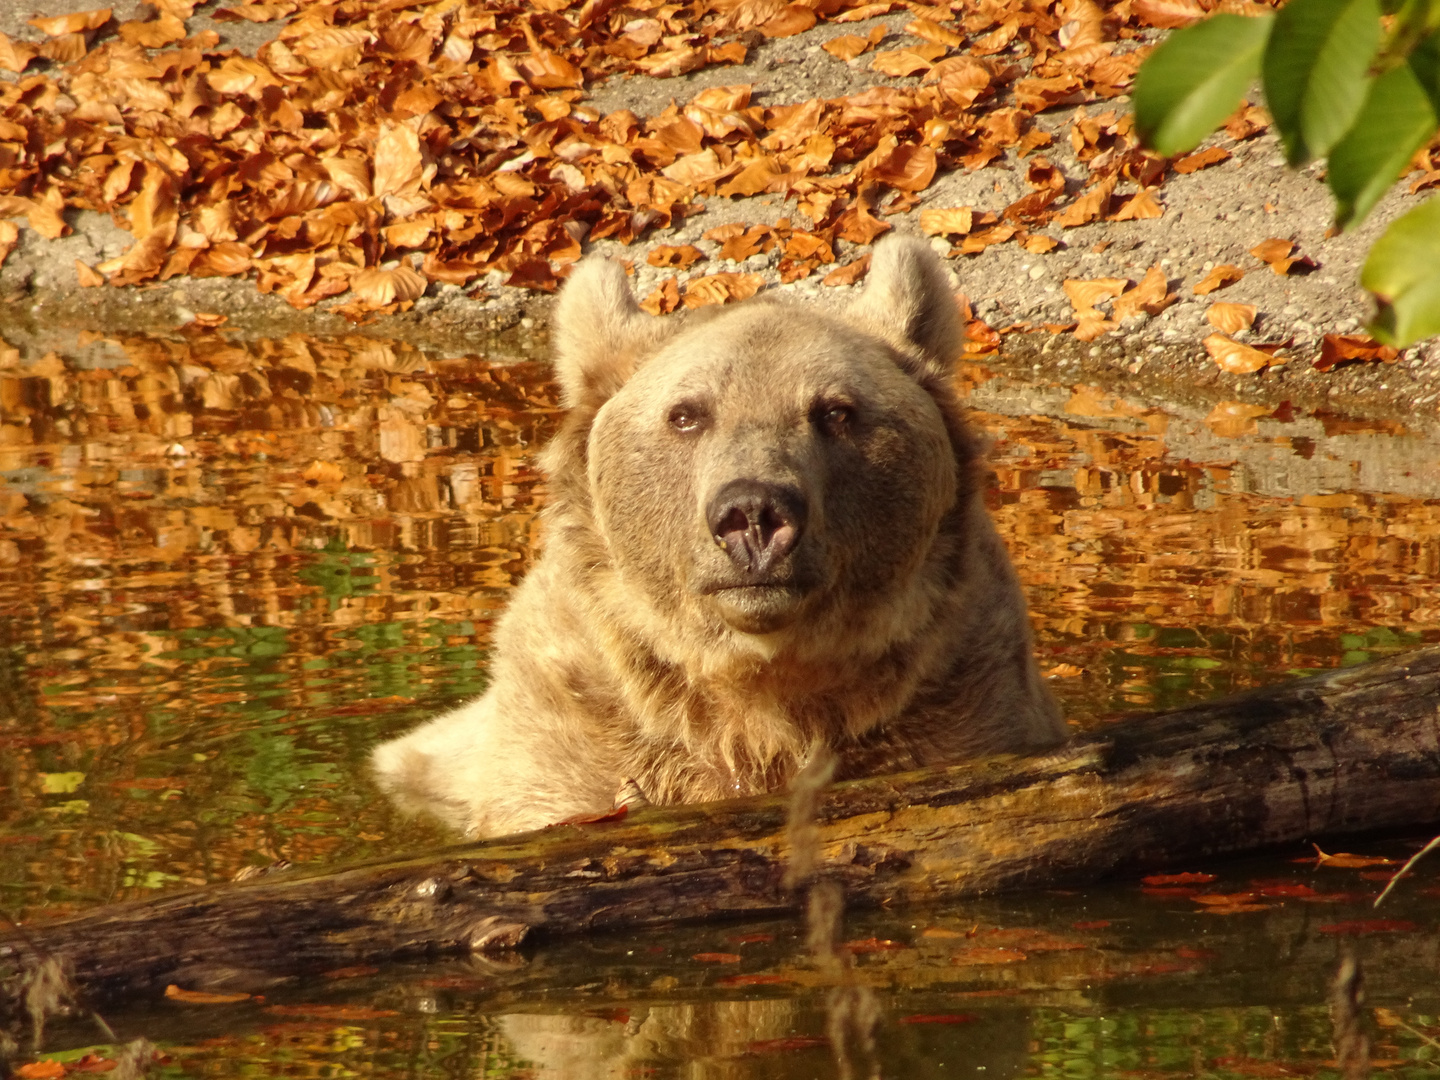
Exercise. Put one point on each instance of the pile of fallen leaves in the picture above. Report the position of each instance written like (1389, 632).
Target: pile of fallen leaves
(373, 148)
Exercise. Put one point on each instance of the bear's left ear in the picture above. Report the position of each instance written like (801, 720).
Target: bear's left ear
(600, 333)
(908, 301)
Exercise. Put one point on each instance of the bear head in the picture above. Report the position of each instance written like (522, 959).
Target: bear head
(769, 479)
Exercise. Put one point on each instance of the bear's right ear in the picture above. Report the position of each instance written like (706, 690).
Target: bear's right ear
(601, 335)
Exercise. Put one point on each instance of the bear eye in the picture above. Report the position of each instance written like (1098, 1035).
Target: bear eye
(688, 418)
(834, 418)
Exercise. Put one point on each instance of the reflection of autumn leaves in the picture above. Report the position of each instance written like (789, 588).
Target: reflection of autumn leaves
(1126, 533)
(431, 445)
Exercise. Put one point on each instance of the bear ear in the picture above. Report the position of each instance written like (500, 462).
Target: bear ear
(601, 335)
(909, 302)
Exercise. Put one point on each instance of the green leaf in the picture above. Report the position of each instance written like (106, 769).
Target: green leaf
(1397, 120)
(1403, 271)
(1317, 71)
(1196, 78)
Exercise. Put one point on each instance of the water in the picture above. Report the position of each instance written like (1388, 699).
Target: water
(227, 570)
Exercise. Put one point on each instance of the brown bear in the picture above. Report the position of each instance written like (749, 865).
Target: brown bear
(765, 535)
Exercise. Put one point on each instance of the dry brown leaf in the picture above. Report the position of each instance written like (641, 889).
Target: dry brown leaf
(1337, 349)
(88, 276)
(1039, 244)
(1064, 671)
(202, 997)
(909, 167)
(664, 300)
(14, 55)
(1085, 294)
(978, 241)
(1236, 358)
(1138, 207)
(381, 287)
(1277, 254)
(850, 273)
(1087, 208)
(755, 177)
(933, 31)
(1231, 318)
(9, 237)
(846, 46)
(1218, 278)
(1091, 326)
(1150, 296)
(1169, 14)
(900, 63)
(721, 289)
(75, 23)
(154, 33)
(952, 221)
(865, 11)
(1246, 121)
(64, 50)
(1202, 160)
(398, 164)
(349, 174)
(681, 256)
(794, 19)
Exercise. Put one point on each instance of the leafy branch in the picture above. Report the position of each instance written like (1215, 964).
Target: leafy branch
(1357, 81)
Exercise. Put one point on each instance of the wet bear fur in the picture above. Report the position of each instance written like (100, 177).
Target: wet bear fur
(765, 533)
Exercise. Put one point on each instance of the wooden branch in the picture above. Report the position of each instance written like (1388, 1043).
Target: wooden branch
(1352, 750)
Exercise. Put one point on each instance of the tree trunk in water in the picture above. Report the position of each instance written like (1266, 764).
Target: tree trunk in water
(1348, 751)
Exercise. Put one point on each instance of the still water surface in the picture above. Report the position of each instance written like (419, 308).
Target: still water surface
(228, 569)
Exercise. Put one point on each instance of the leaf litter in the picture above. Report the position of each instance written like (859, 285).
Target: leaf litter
(370, 151)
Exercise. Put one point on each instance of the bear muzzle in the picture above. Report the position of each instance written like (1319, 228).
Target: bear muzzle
(757, 525)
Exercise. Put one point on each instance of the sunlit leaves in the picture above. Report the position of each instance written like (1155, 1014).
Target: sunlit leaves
(1316, 68)
(1194, 80)
(1403, 271)
(1333, 87)
(1398, 117)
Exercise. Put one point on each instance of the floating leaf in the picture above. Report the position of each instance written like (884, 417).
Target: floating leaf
(1187, 878)
(980, 955)
(938, 1018)
(202, 997)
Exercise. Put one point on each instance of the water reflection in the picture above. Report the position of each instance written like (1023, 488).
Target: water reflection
(229, 569)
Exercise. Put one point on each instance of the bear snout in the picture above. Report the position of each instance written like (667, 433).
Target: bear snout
(757, 524)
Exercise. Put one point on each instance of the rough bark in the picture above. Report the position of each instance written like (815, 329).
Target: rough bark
(1352, 750)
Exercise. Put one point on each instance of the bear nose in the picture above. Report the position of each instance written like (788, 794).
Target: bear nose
(757, 524)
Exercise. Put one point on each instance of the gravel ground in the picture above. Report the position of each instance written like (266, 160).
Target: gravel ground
(1211, 217)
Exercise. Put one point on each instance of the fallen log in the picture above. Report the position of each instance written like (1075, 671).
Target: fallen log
(1347, 751)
